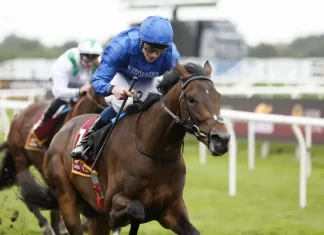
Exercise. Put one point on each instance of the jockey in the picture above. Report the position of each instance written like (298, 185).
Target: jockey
(71, 75)
(146, 52)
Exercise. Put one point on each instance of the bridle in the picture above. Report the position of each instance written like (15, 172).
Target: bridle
(190, 123)
(96, 102)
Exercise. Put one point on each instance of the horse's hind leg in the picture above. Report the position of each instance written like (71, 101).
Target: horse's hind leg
(56, 221)
(99, 226)
(59, 183)
(176, 218)
(69, 211)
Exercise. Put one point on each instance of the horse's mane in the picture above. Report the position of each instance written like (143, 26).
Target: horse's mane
(169, 79)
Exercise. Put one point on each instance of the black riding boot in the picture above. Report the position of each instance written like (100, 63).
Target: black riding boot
(50, 111)
(79, 151)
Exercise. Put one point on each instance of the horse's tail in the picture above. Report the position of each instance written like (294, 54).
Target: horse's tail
(34, 193)
(8, 170)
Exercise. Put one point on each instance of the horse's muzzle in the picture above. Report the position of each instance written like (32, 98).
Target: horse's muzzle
(218, 142)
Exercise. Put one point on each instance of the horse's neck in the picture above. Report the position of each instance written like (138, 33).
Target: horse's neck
(97, 101)
(157, 130)
(89, 106)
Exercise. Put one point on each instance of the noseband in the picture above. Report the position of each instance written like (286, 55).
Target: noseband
(191, 124)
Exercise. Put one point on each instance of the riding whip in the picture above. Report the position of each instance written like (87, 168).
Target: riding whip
(113, 125)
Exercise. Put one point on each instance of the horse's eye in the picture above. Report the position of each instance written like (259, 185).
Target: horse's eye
(191, 100)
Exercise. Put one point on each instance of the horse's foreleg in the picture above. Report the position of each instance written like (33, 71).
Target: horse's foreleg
(42, 221)
(116, 231)
(134, 228)
(176, 218)
(124, 209)
(70, 214)
(99, 226)
(23, 177)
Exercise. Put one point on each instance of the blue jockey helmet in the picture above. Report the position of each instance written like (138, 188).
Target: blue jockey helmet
(156, 29)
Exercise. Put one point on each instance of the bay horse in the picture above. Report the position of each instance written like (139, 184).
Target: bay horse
(17, 158)
(141, 170)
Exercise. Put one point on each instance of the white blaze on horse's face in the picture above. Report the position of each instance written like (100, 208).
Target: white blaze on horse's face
(207, 91)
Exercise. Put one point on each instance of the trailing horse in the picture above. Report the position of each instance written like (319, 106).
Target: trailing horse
(24, 147)
(141, 172)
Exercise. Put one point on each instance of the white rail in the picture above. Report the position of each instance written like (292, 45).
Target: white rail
(16, 106)
(292, 91)
(30, 93)
(251, 119)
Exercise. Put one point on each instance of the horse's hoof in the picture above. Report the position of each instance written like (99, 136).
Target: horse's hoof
(62, 228)
(135, 210)
(84, 224)
(48, 230)
(116, 231)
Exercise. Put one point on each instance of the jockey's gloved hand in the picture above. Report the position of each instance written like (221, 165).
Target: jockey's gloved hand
(121, 92)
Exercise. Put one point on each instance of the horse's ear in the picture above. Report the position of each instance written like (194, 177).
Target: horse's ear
(183, 72)
(208, 69)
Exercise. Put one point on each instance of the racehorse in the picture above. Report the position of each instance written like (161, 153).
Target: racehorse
(141, 170)
(17, 158)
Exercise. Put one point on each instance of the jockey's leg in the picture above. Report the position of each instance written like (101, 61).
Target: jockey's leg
(79, 151)
(51, 110)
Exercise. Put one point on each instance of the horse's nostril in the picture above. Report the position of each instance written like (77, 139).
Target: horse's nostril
(219, 139)
(216, 139)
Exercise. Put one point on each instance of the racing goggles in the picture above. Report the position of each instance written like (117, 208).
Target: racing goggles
(88, 58)
(151, 48)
